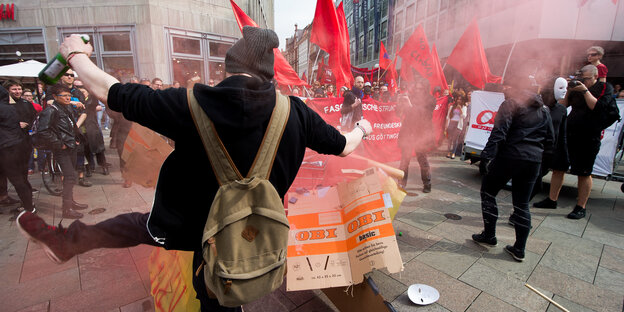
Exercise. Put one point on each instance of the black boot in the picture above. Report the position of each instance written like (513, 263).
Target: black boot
(78, 206)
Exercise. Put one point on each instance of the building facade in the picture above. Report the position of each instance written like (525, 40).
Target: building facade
(367, 21)
(172, 40)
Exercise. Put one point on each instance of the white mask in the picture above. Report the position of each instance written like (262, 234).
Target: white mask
(561, 86)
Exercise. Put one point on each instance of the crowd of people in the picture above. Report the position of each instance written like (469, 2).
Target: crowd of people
(531, 132)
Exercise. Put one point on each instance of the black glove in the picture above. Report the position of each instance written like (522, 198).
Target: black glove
(483, 166)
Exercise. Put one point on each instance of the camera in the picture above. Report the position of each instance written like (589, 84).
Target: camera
(575, 80)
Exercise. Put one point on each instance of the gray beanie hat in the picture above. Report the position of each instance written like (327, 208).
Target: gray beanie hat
(253, 54)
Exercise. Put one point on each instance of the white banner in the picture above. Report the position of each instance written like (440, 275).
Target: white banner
(484, 106)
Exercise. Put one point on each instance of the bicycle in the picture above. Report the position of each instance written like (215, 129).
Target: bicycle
(52, 175)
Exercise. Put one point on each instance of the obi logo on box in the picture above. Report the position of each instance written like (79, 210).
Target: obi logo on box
(316, 234)
(366, 219)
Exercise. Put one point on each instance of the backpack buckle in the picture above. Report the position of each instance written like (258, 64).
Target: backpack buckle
(227, 285)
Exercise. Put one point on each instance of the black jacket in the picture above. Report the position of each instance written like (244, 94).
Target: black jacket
(240, 108)
(56, 125)
(10, 131)
(26, 113)
(522, 129)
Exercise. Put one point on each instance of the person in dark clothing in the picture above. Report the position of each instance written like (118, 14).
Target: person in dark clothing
(557, 158)
(57, 126)
(583, 138)
(351, 111)
(26, 114)
(415, 136)
(239, 107)
(12, 139)
(358, 86)
(522, 132)
(93, 135)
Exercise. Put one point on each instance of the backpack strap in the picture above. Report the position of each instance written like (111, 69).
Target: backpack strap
(263, 162)
(221, 162)
(224, 168)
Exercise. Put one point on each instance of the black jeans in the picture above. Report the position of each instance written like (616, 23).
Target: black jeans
(66, 158)
(128, 230)
(12, 168)
(523, 175)
(425, 170)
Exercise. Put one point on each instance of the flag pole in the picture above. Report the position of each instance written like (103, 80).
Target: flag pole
(316, 60)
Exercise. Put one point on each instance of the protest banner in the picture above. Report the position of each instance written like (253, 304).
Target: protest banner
(339, 233)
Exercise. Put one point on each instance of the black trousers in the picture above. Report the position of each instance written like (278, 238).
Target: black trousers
(66, 158)
(12, 163)
(128, 230)
(523, 175)
(425, 170)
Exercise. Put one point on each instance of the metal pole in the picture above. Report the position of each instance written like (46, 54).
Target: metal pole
(316, 60)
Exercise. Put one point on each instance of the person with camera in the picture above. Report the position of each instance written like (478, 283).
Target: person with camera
(584, 94)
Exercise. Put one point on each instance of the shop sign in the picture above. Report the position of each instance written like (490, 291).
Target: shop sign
(7, 11)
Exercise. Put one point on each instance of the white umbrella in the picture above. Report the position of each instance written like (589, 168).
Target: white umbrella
(29, 68)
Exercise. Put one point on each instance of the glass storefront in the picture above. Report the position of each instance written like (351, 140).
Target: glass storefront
(113, 48)
(29, 43)
(195, 54)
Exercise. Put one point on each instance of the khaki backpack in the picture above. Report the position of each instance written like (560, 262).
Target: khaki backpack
(246, 234)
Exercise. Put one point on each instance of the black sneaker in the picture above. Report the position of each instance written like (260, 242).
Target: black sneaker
(427, 188)
(547, 203)
(84, 182)
(484, 241)
(516, 253)
(577, 213)
(51, 238)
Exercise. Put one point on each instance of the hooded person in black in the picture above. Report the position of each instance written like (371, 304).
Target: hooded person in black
(240, 108)
(522, 132)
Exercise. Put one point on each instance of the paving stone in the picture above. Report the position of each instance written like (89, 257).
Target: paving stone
(408, 252)
(498, 259)
(609, 279)
(566, 240)
(576, 290)
(36, 265)
(12, 247)
(141, 251)
(10, 273)
(103, 298)
(454, 295)
(389, 288)
(422, 219)
(142, 305)
(21, 296)
(315, 304)
(562, 224)
(449, 257)
(101, 268)
(571, 262)
(276, 301)
(571, 306)
(40, 307)
(612, 259)
(607, 231)
(413, 236)
(403, 304)
(504, 286)
(296, 297)
(488, 303)
(453, 231)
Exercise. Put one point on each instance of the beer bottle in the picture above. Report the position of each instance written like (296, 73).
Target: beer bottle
(57, 67)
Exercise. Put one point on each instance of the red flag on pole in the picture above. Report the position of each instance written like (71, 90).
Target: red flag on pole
(468, 58)
(384, 57)
(329, 32)
(391, 77)
(437, 67)
(415, 54)
(284, 73)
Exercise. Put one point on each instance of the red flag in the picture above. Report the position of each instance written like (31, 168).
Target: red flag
(384, 57)
(468, 57)
(284, 73)
(391, 77)
(415, 53)
(438, 72)
(329, 32)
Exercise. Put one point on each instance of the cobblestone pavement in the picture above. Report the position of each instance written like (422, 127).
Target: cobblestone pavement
(578, 263)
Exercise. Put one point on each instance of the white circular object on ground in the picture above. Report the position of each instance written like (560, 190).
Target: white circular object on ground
(423, 294)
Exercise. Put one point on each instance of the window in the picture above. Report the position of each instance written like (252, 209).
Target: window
(195, 54)
(113, 48)
(398, 22)
(409, 15)
(430, 28)
(444, 4)
(384, 8)
(432, 7)
(384, 29)
(29, 42)
(420, 10)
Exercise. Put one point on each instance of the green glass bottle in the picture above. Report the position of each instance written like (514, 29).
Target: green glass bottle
(57, 66)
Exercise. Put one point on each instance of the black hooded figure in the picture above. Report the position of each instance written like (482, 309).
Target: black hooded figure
(522, 132)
